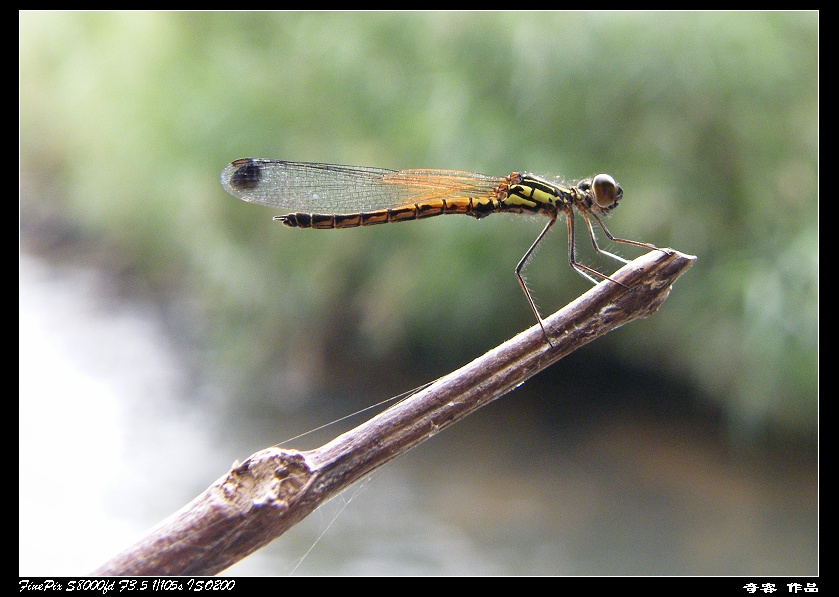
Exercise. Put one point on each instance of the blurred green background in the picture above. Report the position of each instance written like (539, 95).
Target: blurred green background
(709, 121)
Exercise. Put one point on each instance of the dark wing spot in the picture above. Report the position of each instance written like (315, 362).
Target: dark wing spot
(247, 176)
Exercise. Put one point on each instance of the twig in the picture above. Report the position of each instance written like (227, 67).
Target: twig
(260, 499)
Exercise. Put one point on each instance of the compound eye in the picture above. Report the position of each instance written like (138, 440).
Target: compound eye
(606, 191)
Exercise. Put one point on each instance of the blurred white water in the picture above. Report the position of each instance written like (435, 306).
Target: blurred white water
(99, 413)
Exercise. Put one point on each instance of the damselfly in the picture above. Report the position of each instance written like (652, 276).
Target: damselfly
(325, 196)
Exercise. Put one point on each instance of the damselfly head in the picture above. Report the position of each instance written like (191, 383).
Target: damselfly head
(605, 192)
